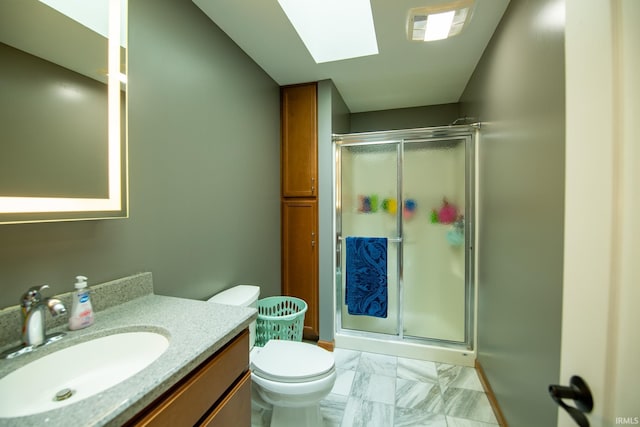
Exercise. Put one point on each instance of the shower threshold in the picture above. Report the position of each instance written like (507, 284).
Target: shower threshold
(441, 352)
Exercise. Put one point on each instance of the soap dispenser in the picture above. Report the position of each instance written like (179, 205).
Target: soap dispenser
(81, 309)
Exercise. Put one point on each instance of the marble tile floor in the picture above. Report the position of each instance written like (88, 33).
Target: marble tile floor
(374, 390)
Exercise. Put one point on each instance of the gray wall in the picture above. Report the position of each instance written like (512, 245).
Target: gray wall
(405, 118)
(333, 117)
(517, 91)
(38, 116)
(204, 173)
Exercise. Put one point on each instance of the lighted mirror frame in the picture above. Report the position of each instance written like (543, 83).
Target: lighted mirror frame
(48, 209)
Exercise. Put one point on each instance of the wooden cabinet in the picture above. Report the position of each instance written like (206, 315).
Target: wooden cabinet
(235, 408)
(299, 153)
(300, 258)
(216, 394)
(299, 189)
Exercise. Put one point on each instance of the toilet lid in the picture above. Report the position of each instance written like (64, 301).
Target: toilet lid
(292, 361)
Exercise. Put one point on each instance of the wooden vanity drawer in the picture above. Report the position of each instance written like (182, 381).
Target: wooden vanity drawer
(194, 396)
(235, 409)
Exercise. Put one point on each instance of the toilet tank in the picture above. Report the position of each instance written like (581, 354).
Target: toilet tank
(242, 296)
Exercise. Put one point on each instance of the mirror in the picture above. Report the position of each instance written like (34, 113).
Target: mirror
(62, 110)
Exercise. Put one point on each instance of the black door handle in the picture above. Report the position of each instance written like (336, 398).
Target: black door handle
(579, 392)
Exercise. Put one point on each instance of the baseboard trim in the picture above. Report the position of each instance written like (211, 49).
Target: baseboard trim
(490, 395)
(327, 345)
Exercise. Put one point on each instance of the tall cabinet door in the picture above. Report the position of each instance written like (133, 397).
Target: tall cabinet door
(299, 141)
(299, 156)
(300, 258)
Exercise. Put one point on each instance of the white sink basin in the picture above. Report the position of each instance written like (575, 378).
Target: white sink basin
(84, 369)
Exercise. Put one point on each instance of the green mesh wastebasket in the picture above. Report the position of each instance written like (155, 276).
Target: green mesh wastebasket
(280, 318)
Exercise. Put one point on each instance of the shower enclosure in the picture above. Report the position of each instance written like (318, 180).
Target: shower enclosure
(416, 189)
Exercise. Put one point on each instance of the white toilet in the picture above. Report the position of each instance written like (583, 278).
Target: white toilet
(291, 376)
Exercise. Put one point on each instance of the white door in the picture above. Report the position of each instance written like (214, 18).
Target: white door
(601, 300)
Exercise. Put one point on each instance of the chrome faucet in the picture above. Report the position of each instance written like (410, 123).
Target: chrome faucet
(33, 324)
(33, 316)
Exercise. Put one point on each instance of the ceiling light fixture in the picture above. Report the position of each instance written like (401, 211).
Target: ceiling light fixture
(439, 22)
(333, 30)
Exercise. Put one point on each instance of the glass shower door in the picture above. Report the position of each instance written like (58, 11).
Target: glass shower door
(434, 239)
(418, 193)
(368, 202)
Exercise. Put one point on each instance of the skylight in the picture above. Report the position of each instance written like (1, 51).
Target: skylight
(333, 30)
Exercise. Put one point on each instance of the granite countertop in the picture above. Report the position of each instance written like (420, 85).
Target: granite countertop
(196, 330)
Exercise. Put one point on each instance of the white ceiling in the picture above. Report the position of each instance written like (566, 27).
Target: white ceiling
(403, 74)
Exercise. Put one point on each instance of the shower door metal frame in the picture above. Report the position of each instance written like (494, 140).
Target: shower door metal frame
(400, 137)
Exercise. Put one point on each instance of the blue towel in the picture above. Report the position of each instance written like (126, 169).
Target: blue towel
(366, 287)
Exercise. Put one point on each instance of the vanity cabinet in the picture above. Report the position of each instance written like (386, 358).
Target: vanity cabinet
(215, 394)
(299, 189)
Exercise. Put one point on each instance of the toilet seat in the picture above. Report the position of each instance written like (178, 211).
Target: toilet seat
(292, 362)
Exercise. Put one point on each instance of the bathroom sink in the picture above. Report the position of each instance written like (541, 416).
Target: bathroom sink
(77, 372)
